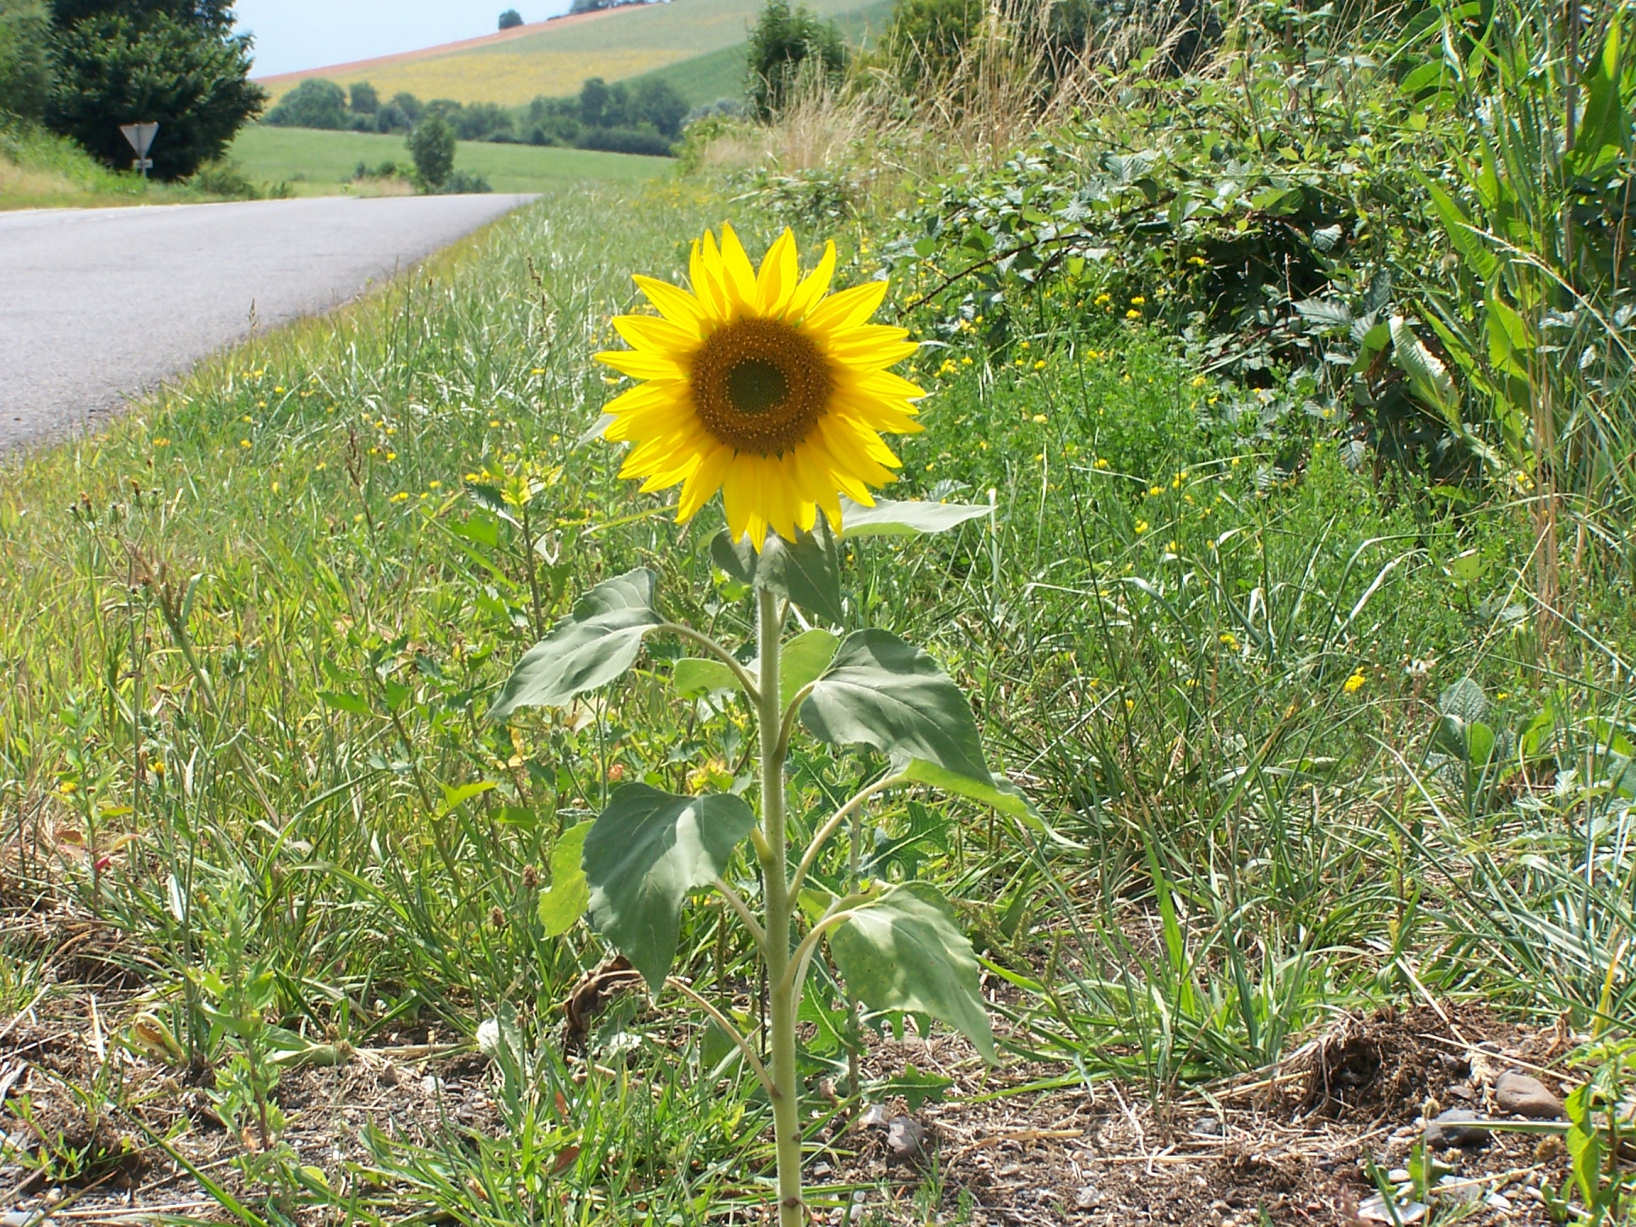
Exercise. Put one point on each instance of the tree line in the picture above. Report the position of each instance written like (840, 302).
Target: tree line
(620, 118)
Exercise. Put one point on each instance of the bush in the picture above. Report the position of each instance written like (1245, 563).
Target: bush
(626, 140)
(26, 62)
(315, 103)
(786, 46)
(225, 178)
(431, 145)
(461, 181)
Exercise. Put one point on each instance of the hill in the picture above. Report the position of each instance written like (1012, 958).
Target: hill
(553, 58)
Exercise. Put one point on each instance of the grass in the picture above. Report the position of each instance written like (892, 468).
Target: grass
(39, 170)
(555, 61)
(315, 160)
(251, 633)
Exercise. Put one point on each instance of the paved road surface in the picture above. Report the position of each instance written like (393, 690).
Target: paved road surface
(97, 305)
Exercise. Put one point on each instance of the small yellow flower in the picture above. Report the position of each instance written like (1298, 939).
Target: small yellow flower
(539, 370)
(434, 485)
(1133, 314)
(1103, 300)
(1039, 365)
(273, 487)
(1102, 462)
(1039, 419)
(1174, 547)
(1228, 640)
(402, 496)
(1198, 381)
(157, 767)
(161, 441)
(1141, 527)
(68, 788)
(1354, 683)
(244, 443)
(1155, 491)
(1137, 301)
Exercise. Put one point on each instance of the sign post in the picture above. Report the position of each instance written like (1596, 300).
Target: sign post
(140, 137)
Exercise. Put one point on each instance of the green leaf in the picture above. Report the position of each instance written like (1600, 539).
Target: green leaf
(1427, 375)
(642, 856)
(696, 677)
(565, 900)
(594, 645)
(906, 519)
(902, 951)
(805, 570)
(999, 792)
(341, 701)
(883, 692)
(802, 660)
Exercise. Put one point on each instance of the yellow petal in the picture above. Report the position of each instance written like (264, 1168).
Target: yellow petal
(661, 336)
(737, 275)
(703, 482)
(674, 303)
(703, 271)
(846, 309)
(813, 287)
(639, 364)
(779, 272)
(887, 384)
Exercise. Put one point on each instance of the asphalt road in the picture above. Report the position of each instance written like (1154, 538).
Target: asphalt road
(100, 305)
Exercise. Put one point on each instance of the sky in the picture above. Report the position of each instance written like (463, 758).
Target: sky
(292, 35)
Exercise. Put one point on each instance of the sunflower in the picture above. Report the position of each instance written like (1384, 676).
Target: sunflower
(763, 385)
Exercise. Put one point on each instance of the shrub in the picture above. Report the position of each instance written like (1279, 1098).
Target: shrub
(26, 62)
(315, 103)
(431, 145)
(787, 46)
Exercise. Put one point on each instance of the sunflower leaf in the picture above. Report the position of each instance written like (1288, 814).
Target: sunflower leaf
(597, 642)
(902, 951)
(806, 570)
(908, 518)
(883, 692)
(644, 853)
(564, 901)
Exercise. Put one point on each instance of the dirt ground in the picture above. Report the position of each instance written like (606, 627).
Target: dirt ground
(1291, 1146)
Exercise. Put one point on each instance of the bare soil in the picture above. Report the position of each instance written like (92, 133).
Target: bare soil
(97, 1131)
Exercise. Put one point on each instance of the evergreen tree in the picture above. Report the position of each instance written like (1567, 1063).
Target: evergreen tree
(174, 62)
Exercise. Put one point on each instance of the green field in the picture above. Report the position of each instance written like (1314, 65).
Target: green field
(720, 74)
(557, 58)
(305, 156)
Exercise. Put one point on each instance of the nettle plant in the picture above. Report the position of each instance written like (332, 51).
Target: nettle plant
(765, 386)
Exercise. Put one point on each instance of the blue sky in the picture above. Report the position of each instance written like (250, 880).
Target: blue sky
(295, 34)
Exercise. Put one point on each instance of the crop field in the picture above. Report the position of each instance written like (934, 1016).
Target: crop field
(556, 58)
(1201, 787)
(309, 158)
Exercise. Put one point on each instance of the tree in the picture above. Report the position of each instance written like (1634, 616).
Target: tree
(315, 103)
(27, 67)
(785, 46)
(174, 62)
(510, 19)
(431, 145)
(411, 106)
(593, 103)
(659, 103)
(365, 101)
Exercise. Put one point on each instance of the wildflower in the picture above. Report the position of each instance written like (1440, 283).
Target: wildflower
(1137, 301)
(68, 788)
(763, 385)
(1198, 381)
(244, 443)
(1228, 640)
(1039, 365)
(402, 496)
(1133, 314)
(1039, 419)
(1102, 300)
(161, 441)
(539, 370)
(1354, 683)
(1141, 527)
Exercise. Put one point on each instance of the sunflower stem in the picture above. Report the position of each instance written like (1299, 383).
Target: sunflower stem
(785, 1091)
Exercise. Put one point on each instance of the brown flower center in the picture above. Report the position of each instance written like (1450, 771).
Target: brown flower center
(760, 386)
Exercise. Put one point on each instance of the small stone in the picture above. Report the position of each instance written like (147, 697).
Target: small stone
(1461, 1090)
(1523, 1095)
(874, 1116)
(1497, 1201)
(1457, 1127)
(906, 1140)
(1398, 1175)
(1087, 1197)
(1208, 1126)
(1375, 1210)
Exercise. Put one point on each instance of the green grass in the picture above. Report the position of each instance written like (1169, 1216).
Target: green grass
(308, 157)
(39, 170)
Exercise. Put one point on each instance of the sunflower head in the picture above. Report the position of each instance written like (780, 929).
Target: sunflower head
(762, 384)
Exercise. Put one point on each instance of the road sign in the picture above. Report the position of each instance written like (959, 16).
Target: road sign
(140, 137)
